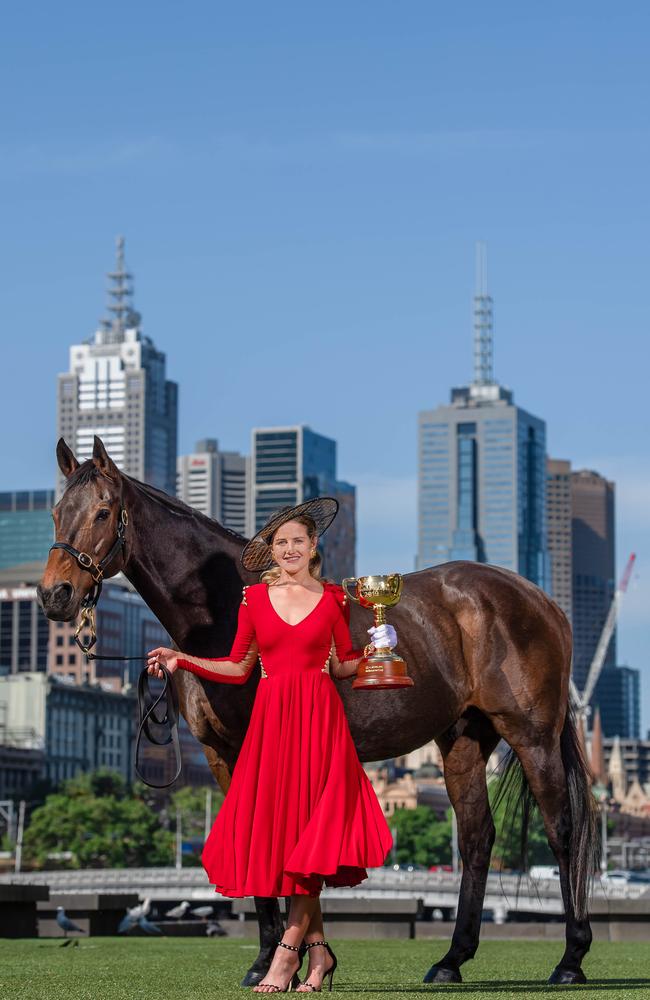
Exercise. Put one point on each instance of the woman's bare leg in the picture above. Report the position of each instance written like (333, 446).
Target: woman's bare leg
(285, 962)
(319, 960)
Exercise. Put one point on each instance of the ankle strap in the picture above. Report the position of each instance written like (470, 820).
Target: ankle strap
(313, 944)
(291, 947)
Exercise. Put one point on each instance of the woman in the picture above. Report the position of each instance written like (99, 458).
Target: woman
(300, 811)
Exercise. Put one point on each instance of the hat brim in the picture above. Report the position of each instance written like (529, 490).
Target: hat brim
(256, 555)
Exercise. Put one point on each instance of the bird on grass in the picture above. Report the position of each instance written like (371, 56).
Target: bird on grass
(67, 926)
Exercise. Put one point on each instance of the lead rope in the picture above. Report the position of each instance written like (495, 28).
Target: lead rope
(147, 705)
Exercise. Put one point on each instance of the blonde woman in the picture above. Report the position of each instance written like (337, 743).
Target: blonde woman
(300, 811)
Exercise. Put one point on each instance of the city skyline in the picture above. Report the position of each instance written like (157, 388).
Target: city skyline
(304, 240)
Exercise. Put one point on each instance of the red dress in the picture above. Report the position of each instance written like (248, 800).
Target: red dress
(300, 810)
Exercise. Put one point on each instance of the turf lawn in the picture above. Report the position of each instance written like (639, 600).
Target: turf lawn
(198, 969)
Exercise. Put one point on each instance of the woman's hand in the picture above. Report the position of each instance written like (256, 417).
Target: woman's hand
(383, 636)
(161, 657)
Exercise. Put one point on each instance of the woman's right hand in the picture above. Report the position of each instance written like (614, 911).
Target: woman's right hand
(161, 657)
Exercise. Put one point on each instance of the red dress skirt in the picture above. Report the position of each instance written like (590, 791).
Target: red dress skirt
(300, 811)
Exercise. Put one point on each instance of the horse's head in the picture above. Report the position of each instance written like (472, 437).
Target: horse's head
(87, 518)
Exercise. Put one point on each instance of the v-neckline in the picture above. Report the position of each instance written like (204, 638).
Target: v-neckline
(295, 624)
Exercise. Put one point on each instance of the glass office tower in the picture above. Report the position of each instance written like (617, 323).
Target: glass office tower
(26, 529)
(482, 485)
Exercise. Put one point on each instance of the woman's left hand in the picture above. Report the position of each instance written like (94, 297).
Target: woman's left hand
(383, 636)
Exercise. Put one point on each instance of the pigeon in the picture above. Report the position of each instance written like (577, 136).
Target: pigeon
(141, 910)
(132, 915)
(214, 929)
(203, 912)
(66, 925)
(127, 923)
(177, 912)
(148, 927)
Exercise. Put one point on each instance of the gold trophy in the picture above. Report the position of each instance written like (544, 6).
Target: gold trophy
(381, 668)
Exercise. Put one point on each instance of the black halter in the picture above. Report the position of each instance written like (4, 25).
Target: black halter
(96, 570)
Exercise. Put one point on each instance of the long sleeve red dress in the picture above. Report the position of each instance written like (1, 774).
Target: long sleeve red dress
(300, 811)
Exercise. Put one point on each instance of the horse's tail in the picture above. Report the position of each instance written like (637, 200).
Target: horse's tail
(584, 843)
(584, 837)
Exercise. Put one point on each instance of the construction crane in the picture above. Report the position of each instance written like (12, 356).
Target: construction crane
(581, 701)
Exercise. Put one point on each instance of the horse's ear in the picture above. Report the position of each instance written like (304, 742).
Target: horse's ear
(103, 461)
(64, 456)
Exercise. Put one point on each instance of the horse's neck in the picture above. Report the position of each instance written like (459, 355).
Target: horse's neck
(187, 570)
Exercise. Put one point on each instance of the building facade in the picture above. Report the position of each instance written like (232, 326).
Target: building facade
(116, 388)
(482, 471)
(292, 464)
(80, 727)
(633, 757)
(618, 696)
(26, 530)
(24, 629)
(216, 483)
(593, 568)
(558, 519)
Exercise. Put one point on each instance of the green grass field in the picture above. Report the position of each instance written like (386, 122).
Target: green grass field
(198, 969)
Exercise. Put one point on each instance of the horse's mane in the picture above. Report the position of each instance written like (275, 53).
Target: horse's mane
(88, 471)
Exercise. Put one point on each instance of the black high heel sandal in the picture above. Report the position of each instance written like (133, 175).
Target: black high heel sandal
(330, 972)
(289, 986)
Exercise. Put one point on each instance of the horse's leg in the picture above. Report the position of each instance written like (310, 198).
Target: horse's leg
(271, 930)
(466, 748)
(570, 828)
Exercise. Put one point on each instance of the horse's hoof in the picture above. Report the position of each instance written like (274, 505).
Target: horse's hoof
(566, 977)
(253, 977)
(440, 974)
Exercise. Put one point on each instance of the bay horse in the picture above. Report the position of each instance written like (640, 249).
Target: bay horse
(489, 653)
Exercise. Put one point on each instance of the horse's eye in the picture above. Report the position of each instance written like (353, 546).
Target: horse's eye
(102, 514)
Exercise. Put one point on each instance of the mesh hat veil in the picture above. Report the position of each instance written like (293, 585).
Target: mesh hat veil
(256, 555)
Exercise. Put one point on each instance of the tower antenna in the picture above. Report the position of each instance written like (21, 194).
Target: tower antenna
(120, 298)
(483, 322)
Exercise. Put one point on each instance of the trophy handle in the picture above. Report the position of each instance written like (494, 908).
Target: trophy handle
(344, 584)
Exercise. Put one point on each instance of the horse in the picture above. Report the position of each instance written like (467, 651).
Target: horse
(489, 653)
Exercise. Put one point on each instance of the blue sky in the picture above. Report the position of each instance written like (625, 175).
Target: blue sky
(301, 188)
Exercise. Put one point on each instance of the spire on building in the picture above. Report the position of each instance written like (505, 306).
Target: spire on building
(483, 389)
(483, 322)
(617, 772)
(120, 301)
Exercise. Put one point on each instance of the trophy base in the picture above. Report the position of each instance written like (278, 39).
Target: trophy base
(380, 671)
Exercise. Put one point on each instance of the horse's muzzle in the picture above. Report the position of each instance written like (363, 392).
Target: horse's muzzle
(58, 602)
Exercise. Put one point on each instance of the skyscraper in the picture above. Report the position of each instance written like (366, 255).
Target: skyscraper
(593, 557)
(293, 464)
(482, 469)
(116, 387)
(216, 483)
(558, 518)
(25, 526)
(618, 696)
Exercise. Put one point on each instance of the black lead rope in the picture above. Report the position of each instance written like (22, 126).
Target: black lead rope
(168, 718)
(147, 705)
